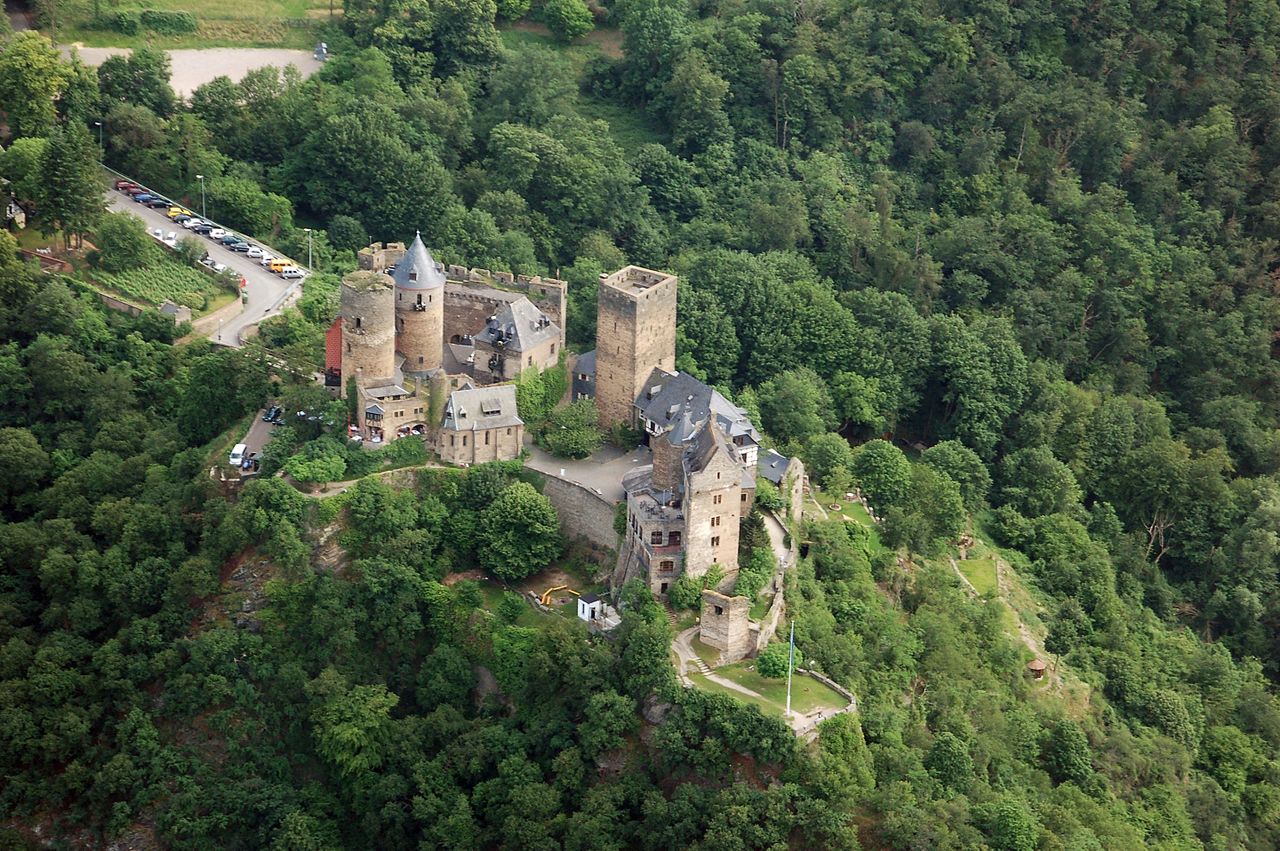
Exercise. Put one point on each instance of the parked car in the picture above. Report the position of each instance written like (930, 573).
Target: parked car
(202, 228)
(266, 259)
(219, 267)
(237, 453)
(157, 203)
(216, 233)
(143, 197)
(279, 264)
(171, 239)
(255, 251)
(206, 261)
(271, 413)
(230, 239)
(292, 273)
(239, 247)
(157, 233)
(125, 185)
(181, 219)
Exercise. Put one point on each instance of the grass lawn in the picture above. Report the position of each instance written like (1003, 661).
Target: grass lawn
(759, 608)
(222, 23)
(851, 511)
(807, 694)
(981, 573)
(705, 652)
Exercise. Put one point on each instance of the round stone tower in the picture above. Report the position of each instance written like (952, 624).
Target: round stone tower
(368, 329)
(419, 284)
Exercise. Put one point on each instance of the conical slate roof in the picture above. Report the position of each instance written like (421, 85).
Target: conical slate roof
(418, 269)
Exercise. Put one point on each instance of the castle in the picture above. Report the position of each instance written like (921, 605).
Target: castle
(428, 351)
(683, 510)
(422, 350)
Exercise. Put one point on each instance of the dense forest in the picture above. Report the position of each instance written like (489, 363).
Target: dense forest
(1008, 269)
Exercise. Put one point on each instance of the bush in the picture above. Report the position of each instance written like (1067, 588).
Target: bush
(772, 662)
(572, 432)
(753, 575)
(567, 19)
(168, 23)
(125, 23)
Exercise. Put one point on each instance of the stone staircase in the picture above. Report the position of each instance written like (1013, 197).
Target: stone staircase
(699, 666)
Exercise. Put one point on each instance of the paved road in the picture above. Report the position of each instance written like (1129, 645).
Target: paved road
(192, 68)
(266, 291)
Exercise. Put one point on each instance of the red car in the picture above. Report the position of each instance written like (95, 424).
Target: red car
(125, 185)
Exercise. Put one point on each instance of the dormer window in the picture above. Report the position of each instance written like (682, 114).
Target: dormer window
(413, 276)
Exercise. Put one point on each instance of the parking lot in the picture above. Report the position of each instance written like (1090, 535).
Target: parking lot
(266, 290)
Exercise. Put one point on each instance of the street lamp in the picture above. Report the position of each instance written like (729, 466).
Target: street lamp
(98, 124)
(203, 213)
(308, 230)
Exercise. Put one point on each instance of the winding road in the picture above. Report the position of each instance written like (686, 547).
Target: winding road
(268, 293)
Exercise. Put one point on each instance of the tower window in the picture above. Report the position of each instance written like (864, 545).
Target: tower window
(719, 610)
(419, 298)
(715, 500)
(358, 321)
(715, 521)
(419, 358)
(715, 542)
(486, 438)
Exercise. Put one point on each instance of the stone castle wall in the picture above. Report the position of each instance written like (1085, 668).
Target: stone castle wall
(583, 512)
(471, 296)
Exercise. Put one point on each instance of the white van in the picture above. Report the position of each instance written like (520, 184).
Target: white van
(292, 273)
(237, 454)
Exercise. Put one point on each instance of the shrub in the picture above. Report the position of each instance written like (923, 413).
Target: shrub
(567, 19)
(168, 23)
(572, 432)
(772, 662)
(123, 22)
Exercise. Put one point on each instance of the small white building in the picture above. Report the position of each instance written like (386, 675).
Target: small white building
(598, 614)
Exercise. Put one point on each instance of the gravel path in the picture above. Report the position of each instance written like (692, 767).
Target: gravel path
(194, 68)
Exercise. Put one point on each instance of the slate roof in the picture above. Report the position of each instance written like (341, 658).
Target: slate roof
(590, 598)
(773, 466)
(708, 441)
(667, 396)
(481, 408)
(586, 364)
(418, 270)
(519, 327)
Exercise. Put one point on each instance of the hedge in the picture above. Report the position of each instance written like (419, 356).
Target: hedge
(168, 23)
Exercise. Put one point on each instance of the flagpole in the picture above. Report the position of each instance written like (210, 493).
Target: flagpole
(791, 658)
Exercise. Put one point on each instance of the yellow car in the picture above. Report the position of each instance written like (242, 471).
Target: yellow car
(174, 212)
(279, 264)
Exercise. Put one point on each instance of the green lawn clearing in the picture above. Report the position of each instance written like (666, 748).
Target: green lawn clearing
(807, 694)
(981, 573)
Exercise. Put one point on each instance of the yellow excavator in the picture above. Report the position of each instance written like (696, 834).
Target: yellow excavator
(546, 595)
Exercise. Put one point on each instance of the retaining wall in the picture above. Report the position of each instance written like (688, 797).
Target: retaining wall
(583, 512)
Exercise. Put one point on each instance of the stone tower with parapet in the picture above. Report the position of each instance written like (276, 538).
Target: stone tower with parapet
(367, 308)
(419, 283)
(635, 332)
(726, 625)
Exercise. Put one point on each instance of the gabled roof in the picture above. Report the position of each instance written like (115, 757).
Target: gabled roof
(706, 444)
(519, 327)
(586, 364)
(773, 466)
(480, 408)
(667, 396)
(418, 270)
